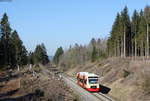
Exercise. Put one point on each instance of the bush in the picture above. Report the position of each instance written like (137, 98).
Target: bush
(125, 73)
(39, 93)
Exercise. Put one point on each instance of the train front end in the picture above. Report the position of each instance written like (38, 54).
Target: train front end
(89, 81)
(93, 83)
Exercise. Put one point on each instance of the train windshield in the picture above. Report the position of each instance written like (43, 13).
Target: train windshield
(93, 81)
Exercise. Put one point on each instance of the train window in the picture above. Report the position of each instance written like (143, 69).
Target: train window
(93, 81)
(92, 77)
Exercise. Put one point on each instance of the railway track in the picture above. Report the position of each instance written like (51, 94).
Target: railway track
(103, 97)
(99, 96)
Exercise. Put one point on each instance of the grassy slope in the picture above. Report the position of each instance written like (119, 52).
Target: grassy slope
(127, 78)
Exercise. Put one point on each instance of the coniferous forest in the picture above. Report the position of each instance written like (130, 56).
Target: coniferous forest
(12, 51)
(130, 35)
(115, 67)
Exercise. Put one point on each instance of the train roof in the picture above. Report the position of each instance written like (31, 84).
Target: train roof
(88, 74)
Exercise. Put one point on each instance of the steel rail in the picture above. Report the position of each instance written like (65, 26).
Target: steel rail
(100, 96)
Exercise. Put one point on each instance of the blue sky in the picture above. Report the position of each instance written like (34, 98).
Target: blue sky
(64, 22)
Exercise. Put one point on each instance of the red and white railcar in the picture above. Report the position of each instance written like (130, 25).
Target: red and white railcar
(88, 81)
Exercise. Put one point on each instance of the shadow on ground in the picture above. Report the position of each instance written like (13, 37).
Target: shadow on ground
(8, 93)
(104, 89)
(27, 97)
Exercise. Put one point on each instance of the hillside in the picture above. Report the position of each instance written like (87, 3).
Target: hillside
(127, 78)
(33, 84)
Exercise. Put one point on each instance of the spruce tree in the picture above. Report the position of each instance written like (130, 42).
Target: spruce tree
(20, 52)
(141, 37)
(1, 48)
(126, 32)
(5, 41)
(147, 18)
(94, 54)
(40, 55)
(134, 31)
(58, 54)
(31, 58)
(93, 42)
(45, 59)
(116, 36)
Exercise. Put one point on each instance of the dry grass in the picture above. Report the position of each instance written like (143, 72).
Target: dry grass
(128, 79)
(42, 86)
(143, 81)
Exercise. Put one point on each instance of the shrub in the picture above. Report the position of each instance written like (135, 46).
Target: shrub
(125, 73)
(39, 93)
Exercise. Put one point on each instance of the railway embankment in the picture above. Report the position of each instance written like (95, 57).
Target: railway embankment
(33, 84)
(123, 79)
(83, 93)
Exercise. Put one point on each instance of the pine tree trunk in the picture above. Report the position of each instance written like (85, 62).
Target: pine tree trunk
(145, 51)
(122, 52)
(118, 50)
(115, 52)
(147, 41)
(132, 53)
(135, 49)
(124, 42)
(142, 50)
